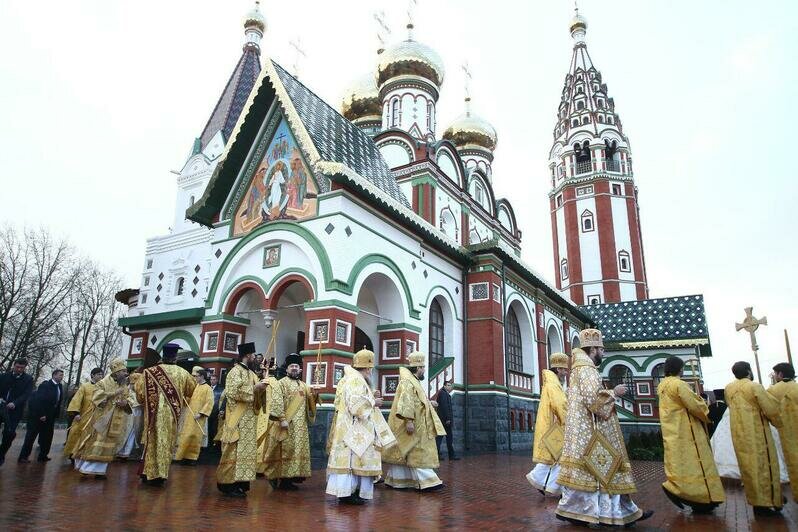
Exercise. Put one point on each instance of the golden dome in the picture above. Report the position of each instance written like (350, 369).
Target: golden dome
(255, 18)
(410, 58)
(470, 129)
(578, 22)
(361, 99)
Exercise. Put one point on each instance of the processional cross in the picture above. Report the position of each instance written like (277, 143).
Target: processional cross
(751, 324)
(296, 44)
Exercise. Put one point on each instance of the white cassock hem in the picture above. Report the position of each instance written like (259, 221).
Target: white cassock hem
(91, 468)
(399, 476)
(544, 477)
(597, 507)
(345, 484)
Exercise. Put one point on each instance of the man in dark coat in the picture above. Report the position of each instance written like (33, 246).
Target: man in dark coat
(213, 421)
(44, 408)
(447, 418)
(15, 389)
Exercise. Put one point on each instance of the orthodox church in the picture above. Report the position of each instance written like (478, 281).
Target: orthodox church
(318, 230)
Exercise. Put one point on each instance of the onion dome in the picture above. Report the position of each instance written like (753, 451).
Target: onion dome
(255, 19)
(361, 99)
(470, 130)
(410, 58)
(578, 27)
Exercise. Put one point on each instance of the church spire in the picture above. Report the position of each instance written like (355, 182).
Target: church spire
(254, 27)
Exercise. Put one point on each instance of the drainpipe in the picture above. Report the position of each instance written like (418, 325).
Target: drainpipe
(506, 365)
(465, 359)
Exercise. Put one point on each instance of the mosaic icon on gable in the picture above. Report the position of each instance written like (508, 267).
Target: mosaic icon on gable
(282, 187)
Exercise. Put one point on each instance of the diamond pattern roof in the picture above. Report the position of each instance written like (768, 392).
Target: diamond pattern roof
(337, 139)
(668, 318)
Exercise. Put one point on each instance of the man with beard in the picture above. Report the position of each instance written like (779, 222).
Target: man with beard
(785, 390)
(163, 391)
(106, 428)
(751, 407)
(239, 432)
(357, 434)
(81, 407)
(415, 424)
(548, 427)
(194, 423)
(293, 409)
(588, 499)
(692, 477)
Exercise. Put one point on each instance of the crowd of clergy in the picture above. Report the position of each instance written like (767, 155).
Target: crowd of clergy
(580, 455)
(263, 429)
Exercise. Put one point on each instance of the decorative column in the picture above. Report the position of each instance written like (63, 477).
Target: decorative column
(396, 341)
(219, 340)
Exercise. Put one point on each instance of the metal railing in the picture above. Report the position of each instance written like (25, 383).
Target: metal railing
(584, 167)
(613, 166)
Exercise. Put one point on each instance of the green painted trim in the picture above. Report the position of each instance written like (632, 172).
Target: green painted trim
(180, 335)
(502, 389)
(376, 258)
(337, 303)
(439, 366)
(334, 352)
(163, 319)
(328, 396)
(451, 300)
(267, 287)
(134, 363)
(216, 359)
(424, 179)
(299, 230)
(389, 366)
(464, 208)
(398, 326)
(420, 211)
(226, 317)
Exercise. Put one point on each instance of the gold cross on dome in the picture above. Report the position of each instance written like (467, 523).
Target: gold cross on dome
(467, 76)
(411, 11)
(751, 324)
(383, 31)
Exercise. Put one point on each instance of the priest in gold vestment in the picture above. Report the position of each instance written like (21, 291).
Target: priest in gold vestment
(239, 430)
(194, 420)
(357, 435)
(549, 424)
(293, 410)
(786, 392)
(751, 409)
(266, 445)
(591, 409)
(81, 407)
(415, 424)
(163, 391)
(692, 477)
(107, 425)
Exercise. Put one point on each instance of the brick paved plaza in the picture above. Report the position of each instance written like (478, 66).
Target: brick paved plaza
(483, 492)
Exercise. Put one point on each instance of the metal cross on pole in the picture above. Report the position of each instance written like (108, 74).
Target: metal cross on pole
(296, 44)
(751, 324)
(383, 30)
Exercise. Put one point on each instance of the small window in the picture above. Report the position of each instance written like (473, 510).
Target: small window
(585, 120)
(479, 291)
(395, 112)
(429, 116)
(616, 189)
(600, 119)
(497, 293)
(575, 122)
(610, 120)
(478, 193)
(147, 281)
(143, 299)
(643, 388)
(646, 409)
(564, 268)
(623, 261)
(580, 106)
(559, 200)
(149, 264)
(600, 103)
(580, 90)
(594, 300)
(180, 286)
(587, 222)
(191, 200)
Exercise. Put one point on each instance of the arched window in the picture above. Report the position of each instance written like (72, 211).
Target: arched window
(624, 263)
(395, 112)
(585, 120)
(580, 106)
(429, 116)
(658, 373)
(436, 333)
(191, 200)
(587, 222)
(564, 268)
(600, 103)
(179, 286)
(515, 358)
(575, 122)
(600, 119)
(610, 120)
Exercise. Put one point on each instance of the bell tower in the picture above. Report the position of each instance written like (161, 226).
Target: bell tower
(595, 216)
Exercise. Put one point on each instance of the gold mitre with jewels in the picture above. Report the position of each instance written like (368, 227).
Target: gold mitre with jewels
(416, 359)
(117, 365)
(196, 370)
(591, 338)
(558, 360)
(363, 359)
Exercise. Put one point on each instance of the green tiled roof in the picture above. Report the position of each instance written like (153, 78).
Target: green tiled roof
(667, 318)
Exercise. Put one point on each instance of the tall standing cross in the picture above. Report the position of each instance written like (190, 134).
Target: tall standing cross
(411, 8)
(383, 31)
(467, 82)
(751, 324)
(296, 44)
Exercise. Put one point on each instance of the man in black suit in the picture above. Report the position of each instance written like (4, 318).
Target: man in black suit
(15, 388)
(44, 408)
(213, 421)
(447, 418)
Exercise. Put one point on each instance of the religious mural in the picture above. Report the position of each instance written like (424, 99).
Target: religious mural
(282, 187)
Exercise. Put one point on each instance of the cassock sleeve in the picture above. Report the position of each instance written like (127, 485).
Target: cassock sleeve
(138, 388)
(768, 404)
(278, 402)
(188, 387)
(595, 398)
(77, 400)
(558, 404)
(358, 399)
(692, 402)
(406, 407)
(207, 405)
(239, 388)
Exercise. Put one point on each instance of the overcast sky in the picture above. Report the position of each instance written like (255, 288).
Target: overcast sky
(100, 100)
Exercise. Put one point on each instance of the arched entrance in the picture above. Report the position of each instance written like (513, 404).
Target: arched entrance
(379, 304)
